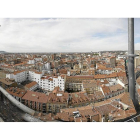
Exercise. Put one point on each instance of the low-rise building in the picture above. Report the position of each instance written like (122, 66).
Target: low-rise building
(19, 76)
(6, 83)
(79, 114)
(17, 93)
(35, 100)
(31, 86)
(74, 83)
(90, 86)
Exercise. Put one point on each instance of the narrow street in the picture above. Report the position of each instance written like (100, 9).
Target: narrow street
(9, 113)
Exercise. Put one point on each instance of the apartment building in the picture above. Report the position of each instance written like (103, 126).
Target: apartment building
(45, 82)
(31, 86)
(90, 86)
(104, 70)
(17, 93)
(19, 76)
(112, 61)
(111, 91)
(35, 100)
(57, 100)
(106, 76)
(38, 59)
(78, 114)
(49, 83)
(31, 61)
(6, 83)
(7, 68)
(74, 83)
(123, 81)
(34, 75)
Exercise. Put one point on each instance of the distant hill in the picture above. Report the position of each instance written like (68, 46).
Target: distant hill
(2, 52)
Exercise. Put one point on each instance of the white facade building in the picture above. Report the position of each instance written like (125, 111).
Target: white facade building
(47, 66)
(49, 83)
(38, 59)
(45, 82)
(101, 71)
(19, 76)
(32, 61)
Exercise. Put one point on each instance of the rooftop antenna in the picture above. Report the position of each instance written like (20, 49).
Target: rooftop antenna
(131, 55)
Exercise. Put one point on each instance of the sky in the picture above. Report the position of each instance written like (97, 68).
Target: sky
(66, 34)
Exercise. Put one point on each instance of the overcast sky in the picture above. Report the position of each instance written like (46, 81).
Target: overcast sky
(66, 35)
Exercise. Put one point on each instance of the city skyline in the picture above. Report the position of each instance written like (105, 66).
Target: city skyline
(65, 35)
(69, 80)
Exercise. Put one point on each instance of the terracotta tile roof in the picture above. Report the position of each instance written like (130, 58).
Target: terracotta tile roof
(121, 74)
(115, 88)
(45, 77)
(71, 110)
(124, 80)
(105, 82)
(101, 67)
(19, 64)
(127, 100)
(92, 97)
(113, 75)
(35, 96)
(130, 112)
(80, 77)
(63, 71)
(16, 72)
(119, 114)
(58, 97)
(105, 109)
(99, 95)
(99, 83)
(92, 66)
(106, 89)
(10, 67)
(123, 97)
(63, 76)
(100, 76)
(45, 117)
(112, 57)
(36, 71)
(103, 76)
(16, 92)
(31, 84)
(79, 98)
(89, 83)
(109, 100)
(120, 67)
(115, 103)
(63, 116)
(7, 81)
(88, 112)
(85, 112)
(79, 119)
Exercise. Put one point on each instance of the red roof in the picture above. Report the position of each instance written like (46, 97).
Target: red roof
(35, 96)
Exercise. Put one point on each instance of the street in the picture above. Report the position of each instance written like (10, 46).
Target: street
(10, 113)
